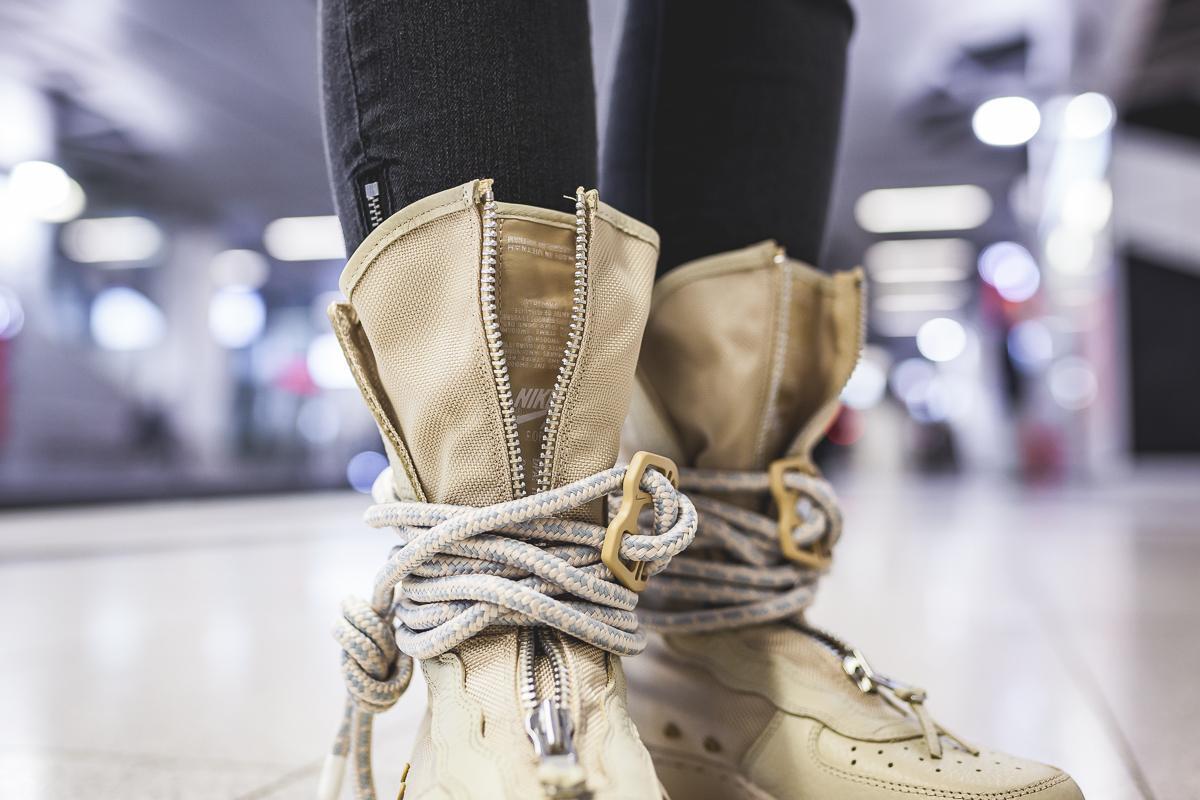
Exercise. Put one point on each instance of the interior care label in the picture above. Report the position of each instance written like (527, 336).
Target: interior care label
(537, 278)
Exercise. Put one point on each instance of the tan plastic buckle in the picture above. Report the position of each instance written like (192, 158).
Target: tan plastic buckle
(819, 554)
(633, 500)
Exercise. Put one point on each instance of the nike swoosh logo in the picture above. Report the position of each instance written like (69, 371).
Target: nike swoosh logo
(522, 419)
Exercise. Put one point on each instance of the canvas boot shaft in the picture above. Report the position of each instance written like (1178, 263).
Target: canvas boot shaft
(743, 361)
(495, 345)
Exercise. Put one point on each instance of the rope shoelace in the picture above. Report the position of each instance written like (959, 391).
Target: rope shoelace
(458, 570)
(735, 575)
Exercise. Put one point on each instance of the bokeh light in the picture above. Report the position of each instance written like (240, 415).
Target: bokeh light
(44, 191)
(1006, 121)
(12, 313)
(327, 365)
(1011, 269)
(1088, 115)
(364, 468)
(248, 269)
(111, 240)
(1031, 344)
(1073, 383)
(941, 339)
(868, 382)
(124, 319)
(236, 316)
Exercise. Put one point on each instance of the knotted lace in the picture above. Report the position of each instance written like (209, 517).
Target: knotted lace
(734, 574)
(459, 570)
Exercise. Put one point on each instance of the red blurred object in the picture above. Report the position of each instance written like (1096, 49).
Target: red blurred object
(296, 379)
(1042, 456)
(847, 427)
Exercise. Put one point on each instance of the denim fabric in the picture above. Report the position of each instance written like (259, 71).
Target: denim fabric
(724, 123)
(723, 128)
(421, 95)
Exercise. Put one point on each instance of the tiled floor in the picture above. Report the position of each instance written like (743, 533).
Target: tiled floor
(181, 650)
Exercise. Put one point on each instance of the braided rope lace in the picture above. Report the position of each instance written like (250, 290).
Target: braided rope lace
(735, 575)
(458, 570)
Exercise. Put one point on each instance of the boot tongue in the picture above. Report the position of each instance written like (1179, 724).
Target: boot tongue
(465, 311)
(537, 268)
(745, 355)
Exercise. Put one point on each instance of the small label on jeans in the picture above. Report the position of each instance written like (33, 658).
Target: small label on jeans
(374, 205)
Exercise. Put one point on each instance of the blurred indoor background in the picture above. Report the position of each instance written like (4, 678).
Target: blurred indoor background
(1020, 179)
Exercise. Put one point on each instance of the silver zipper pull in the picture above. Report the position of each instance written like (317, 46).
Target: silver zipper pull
(553, 735)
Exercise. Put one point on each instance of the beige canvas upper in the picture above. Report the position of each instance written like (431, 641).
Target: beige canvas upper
(413, 332)
(744, 357)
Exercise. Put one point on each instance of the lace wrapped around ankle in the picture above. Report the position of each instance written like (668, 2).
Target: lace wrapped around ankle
(735, 574)
(459, 570)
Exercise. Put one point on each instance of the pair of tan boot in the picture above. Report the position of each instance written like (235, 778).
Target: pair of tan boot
(508, 353)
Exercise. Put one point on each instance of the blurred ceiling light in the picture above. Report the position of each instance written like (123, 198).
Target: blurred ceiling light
(1031, 344)
(901, 303)
(1069, 250)
(918, 260)
(1087, 205)
(1073, 383)
(305, 239)
(44, 191)
(247, 269)
(327, 365)
(941, 339)
(1011, 269)
(1088, 115)
(363, 469)
(101, 240)
(26, 124)
(923, 208)
(12, 315)
(125, 319)
(1006, 121)
(236, 316)
(868, 382)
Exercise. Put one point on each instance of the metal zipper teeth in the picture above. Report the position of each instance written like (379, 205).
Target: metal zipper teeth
(526, 658)
(374, 211)
(488, 280)
(552, 642)
(571, 352)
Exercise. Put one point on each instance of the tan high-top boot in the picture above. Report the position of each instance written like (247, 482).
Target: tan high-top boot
(495, 345)
(743, 360)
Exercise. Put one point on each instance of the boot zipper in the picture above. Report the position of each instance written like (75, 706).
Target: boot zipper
(868, 681)
(489, 303)
(854, 663)
(548, 721)
(584, 202)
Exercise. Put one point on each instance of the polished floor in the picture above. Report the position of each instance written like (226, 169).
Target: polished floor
(181, 650)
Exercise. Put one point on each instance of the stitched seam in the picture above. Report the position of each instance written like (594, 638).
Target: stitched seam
(391, 234)
(367, 389)
(782, 321)
(618, 222)
(909, 788)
